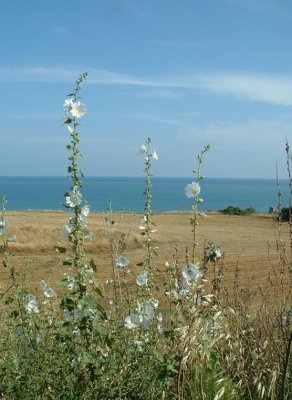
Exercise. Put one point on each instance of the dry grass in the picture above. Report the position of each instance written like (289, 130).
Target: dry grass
(251, 261)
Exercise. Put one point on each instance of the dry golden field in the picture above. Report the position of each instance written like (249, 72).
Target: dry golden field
(249, 246)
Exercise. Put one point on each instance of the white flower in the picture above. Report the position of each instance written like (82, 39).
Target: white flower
(172, 294)
(139, 344)
(85, 210)
(184, 288)
(77, 109)
(71, 282)
(213, 253)
(143, 149)
(87, 272)
(73, 198)
(142, 279)
(152, 304)
(67, 105)
(48, 292)
(192, 272)
(68, 230)
(89, 237)
(133, 321)
(68, 315)
(154, 155)
(143, 220)
(70, 129)
(43, 284)
(192, 189)
(122, 261)
(160, 317)
(83, 220)
(12, 239)
(147, 312)
(31, 306)
(3, 225)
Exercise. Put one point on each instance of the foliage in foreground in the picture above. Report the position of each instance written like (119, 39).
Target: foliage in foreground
(135, 339)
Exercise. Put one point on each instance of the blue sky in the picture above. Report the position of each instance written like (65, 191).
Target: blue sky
(185, 72)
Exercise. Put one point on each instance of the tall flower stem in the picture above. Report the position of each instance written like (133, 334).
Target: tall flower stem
(197, 200)
(4, 248)
(74, 110)
(147, 228)
(148, 203)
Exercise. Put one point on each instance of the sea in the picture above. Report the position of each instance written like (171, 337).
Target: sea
(127, 193)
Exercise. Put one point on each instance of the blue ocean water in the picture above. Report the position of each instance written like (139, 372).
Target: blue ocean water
(47, 193)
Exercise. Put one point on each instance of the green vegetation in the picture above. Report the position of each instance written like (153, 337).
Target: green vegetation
(161, 334)
(233, 210)
(285, 214)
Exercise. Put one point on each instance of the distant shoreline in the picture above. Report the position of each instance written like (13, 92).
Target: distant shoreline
(127, 194)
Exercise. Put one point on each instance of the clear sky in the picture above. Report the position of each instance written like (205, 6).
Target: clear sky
(185, 72)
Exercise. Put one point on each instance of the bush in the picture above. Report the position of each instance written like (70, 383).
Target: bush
(285, 214)
(233, 210)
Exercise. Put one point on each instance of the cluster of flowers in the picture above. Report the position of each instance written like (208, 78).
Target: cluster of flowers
(79, 312)
(143, 150)
(144, 316)
(74, 199)
(191, 274)
(31, 304)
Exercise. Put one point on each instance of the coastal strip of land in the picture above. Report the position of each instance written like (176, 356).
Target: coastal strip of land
(249, 244)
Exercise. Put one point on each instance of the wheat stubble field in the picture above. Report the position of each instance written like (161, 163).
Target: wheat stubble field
(249, 245)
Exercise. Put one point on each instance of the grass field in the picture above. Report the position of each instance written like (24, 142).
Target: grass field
(248, 243)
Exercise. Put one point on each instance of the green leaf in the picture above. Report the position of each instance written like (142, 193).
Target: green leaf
(93, 265)
(101, 330)
(90, 300)
(98, 291)
(172, 368)
(14, 314)
(68, 303)
(68, 263)
(102, 311)
(169, 334)
(9, 300)
(63, 282)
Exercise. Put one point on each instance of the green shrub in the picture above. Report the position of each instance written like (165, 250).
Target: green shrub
(285, 214)
(233, 210)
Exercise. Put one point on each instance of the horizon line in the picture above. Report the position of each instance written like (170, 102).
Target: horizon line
(142, 177)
